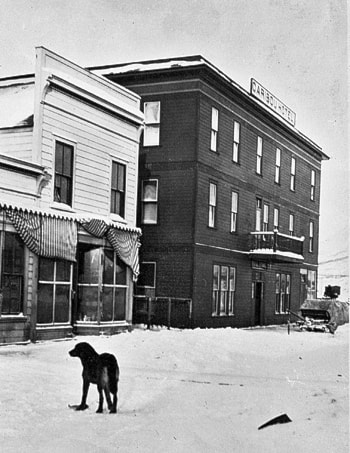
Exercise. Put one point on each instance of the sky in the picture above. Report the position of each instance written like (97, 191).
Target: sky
(297, 49)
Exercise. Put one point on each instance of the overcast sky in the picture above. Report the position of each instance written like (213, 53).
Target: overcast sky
(295, 48)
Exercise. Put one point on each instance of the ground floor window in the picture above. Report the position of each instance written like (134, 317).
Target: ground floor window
(147, 277)
(311, 284)
(102, 285)
(224, 287)
(54, 291)
(282, 303)
(12, 272)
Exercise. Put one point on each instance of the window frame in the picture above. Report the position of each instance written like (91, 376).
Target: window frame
(155, 125)
(116, 190)
(265, 219)
(154, 202)
(223, 300)
(236, 142)
(212, 208)
(154, 263)
(282, 298)
(311, 236)
(54, 283)
(72, 146)
(293, 166)
(313, 185)
(278, 159)
(291, 224)
(259, 156)
(214, 130)
(234, 211)
(276, 218)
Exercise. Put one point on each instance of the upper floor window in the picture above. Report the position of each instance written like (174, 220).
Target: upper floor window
(151, 131)
(311, 237)
(214, 129)
(149, 199)
(292, 174)
(212, 205)
(259, 154)
(258, 214)
(236, 140)
(313, 185)
(266, 218)
(118, 189)
(63, 185)
(278, 166)
(12, 272)
(276, 218)
(291, 224)
(234, 211)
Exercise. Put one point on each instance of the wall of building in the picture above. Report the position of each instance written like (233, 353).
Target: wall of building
(17, 143)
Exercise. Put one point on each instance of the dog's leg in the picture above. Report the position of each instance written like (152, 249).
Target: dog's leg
(83, 404)
(100, 403)
(113, 409)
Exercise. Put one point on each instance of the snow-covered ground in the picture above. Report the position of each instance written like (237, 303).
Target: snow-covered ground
(182, 391)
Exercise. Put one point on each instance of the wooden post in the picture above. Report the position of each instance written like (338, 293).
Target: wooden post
(149, 307)
(169, 312)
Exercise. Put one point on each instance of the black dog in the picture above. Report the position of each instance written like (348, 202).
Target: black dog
(100, 369)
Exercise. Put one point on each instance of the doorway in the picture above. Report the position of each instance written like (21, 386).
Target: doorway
(258, 296)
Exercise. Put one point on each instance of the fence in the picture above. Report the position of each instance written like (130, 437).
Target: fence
(162, 311)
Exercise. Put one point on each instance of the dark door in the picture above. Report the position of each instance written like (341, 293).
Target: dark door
(258, 300)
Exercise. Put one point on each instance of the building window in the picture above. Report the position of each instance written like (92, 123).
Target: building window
(151, 131)
(212, 205)
(12, 273)
(234, 211)
(282, 302)
(118, 189)
(147, 277)
(214, 129)
(258, 214)
(236, 139)
(149, 201)
(292, 174)
(311, 285)
(102, 285)
(313, 185)
(276, 218)
(224, 288)
(311, 237)
(291, 224)
(54, 291)
(278, 166)
(266, 218)
(63, 188)
(259, 154)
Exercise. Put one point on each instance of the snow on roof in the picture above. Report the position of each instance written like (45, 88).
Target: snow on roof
(16, 105)
(191, 61)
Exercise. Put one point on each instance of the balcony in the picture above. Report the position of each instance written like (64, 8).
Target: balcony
(277, 247)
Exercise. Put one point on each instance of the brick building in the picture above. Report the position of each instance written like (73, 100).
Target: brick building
(229, 194)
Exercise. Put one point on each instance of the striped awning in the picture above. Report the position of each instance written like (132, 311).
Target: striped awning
(124, 242)
(48, 236)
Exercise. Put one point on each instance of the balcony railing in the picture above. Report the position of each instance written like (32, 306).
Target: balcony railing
(278, 245)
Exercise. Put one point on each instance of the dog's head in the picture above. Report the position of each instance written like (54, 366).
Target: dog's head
(82, 350)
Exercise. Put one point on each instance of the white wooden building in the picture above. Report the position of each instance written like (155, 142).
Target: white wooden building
(69, 145)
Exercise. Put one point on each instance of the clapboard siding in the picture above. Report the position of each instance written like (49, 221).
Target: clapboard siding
(98, 138)
(17, 143)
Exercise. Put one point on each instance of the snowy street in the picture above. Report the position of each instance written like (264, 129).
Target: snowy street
(182, 391)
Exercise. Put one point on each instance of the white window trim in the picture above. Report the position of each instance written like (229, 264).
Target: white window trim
(259, 155)
(150, 201)
(151, 124)
(214, 129)
(56, 204)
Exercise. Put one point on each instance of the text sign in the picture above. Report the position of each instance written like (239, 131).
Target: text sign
(272, 102)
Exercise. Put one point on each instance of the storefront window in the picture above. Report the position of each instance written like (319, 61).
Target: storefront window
(12, 274)
(101, 277)
(54, 291)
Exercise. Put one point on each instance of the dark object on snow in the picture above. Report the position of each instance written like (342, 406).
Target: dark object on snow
(274, 421)
(332, 291)
(100, 369)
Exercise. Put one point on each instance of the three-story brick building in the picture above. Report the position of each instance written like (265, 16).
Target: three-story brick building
(229, 195)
